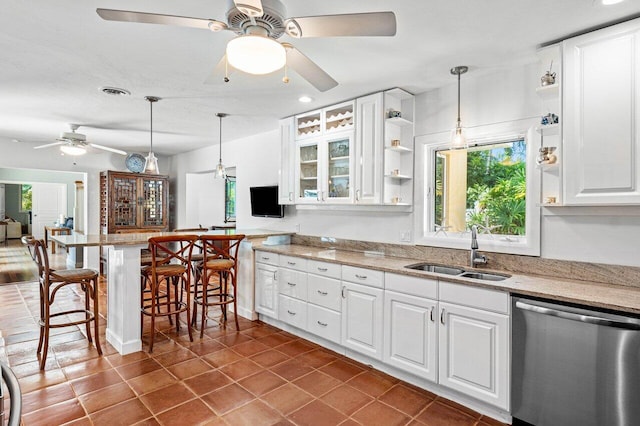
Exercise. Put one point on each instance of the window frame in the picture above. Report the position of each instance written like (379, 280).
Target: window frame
(21, 210)
(426, 147)
(228, 216)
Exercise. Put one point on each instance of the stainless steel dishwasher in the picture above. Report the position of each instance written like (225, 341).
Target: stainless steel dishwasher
(573, 365)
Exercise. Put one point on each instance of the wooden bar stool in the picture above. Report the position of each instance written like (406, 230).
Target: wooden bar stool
(171, 265)
(51, 281)
(221, 259)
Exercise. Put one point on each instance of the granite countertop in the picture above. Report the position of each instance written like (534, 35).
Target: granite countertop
(608, 296)
(79, 240)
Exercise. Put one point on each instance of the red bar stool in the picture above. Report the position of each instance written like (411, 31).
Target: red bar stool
(170, 264)
(51, 282)
(220, 258)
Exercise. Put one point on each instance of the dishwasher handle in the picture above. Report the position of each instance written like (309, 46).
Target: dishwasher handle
(577, 317)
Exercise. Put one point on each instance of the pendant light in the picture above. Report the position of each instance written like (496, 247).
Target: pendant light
(220, 172)
(458, 139)
(151, 162)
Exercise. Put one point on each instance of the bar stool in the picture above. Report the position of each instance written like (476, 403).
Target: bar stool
(170, 264)
(221, 259)
(51, 281)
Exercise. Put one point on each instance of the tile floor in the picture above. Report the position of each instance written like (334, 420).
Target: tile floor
(258, 376)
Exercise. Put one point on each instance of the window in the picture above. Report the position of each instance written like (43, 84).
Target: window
(230, 199)
(26, 196)
(493, 184)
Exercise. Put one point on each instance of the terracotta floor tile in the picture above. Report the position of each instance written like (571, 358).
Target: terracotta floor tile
(117, 360)
(125, 413)
(233, 339)
(317, 383)
(295, 348)
(167, 397)
(371, 384)
(41, 379)
(56, 414)
(222, 358)
(190, 413)
(148, 422)
(33, 367)
(405, 399)
(292, 369)
(96, 381)
(241, 369)
(346, 399)
(151, 381)
(287, 398)
(488, 421)
(138, 368)
(207, 382)
(274, 340)
(190, 368)
(45, 397)
(317, 413)
(227, 398)
(84, 421)
(261, 383)
(259, 331)
(169, 358)
(459, 407)
(249, 348)
(201, 348)
(380, 414)
(252, 414)
(269, 358)
(316, 358)
(341, 370)
(438, 414)
(86, 368)
(106, 397)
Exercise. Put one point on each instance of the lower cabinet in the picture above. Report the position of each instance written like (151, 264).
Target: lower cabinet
(292, 311)
(324, 322)
(266, 289)
(362, 319)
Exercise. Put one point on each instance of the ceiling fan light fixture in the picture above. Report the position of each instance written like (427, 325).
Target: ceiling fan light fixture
(73, 150)
(256, 54)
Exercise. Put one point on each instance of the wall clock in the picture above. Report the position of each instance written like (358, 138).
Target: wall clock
(135, 162)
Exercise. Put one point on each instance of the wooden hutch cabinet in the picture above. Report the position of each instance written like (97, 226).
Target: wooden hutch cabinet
(133, 201)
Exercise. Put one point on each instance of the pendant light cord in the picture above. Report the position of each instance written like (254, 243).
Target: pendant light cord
(459, 99)
(220, 117)
(151, 133)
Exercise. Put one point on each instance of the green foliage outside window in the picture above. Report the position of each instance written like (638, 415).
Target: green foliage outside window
(230, 199)
(26, 197)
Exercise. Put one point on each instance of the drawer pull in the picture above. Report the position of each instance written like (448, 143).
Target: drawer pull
(291, 263)
(343, 289)
(431, 314)
(291, 284)
(290, 313)
(265, 258)
(322, 269)
(362, 277)
(442, 316)
(323, 324)
(322, 293)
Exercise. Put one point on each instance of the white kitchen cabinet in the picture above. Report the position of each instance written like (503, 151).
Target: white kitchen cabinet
(601, 112)
(266, 288)
(369, 143)
(292, 311)
(362, 315)
(286, 187)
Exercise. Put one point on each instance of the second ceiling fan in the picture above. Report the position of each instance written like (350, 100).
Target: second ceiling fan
(260, 23)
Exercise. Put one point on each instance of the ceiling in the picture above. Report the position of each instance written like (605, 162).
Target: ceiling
(57, 54)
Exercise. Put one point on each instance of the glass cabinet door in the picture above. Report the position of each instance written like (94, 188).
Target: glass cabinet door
(125, 201)
(309, 172)
(153, 202)
(339, 168)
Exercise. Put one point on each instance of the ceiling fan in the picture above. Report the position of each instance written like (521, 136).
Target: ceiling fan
(72, 143)
(260, 23)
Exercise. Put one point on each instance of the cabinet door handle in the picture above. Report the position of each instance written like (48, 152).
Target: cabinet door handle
(290, 313)
(442, 316)
(323, 324)
(431, 314)
(322, 269)
(362, 277)
(324, 195)
(291, 284)
(343, 289)
(290, 196)
(275, 275)
(357, 195)
(322, 293)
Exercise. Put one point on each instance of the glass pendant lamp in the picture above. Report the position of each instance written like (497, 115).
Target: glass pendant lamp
(221, 171)
(151, 161)
(458, 139)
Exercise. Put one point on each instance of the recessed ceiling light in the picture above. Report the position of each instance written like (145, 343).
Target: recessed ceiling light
(305, 99)
(610, 2)
(114, 91)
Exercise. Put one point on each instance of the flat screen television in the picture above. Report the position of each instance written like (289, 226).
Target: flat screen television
(264, 202)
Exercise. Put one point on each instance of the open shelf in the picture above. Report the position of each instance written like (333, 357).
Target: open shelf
(548, 92)
(399, 121)
(398, 177)
(400, 149)
(549, 129)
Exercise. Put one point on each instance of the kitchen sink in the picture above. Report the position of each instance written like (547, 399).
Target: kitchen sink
(439, 269)
(452, 270)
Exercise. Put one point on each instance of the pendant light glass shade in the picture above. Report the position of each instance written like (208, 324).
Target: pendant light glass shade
(458, 139)
(151, 161)
(221, 171)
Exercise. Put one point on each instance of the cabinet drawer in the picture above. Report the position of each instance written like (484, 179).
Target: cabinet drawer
(291, 262)
(363, 276)
(475, 297)
(324, 322)
(292, 283)
(292, 311)
(332, 270)
(324, 292)
(421, 287)
(266, 257)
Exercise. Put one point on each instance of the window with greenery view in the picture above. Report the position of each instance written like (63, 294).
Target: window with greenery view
(230, 199)
(25, 198)
(484, 185)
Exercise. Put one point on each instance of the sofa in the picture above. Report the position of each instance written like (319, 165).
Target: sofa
(14, 229)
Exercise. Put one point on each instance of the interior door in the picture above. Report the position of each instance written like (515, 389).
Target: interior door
(49, 201)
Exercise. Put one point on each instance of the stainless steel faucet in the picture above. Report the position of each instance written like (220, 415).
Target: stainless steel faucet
(475, 258)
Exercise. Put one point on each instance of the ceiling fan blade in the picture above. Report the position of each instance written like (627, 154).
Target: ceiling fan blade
(251, 8)
(50, 144)
(308, 69)
(106, 148)
(347, 25)
(155, 18)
